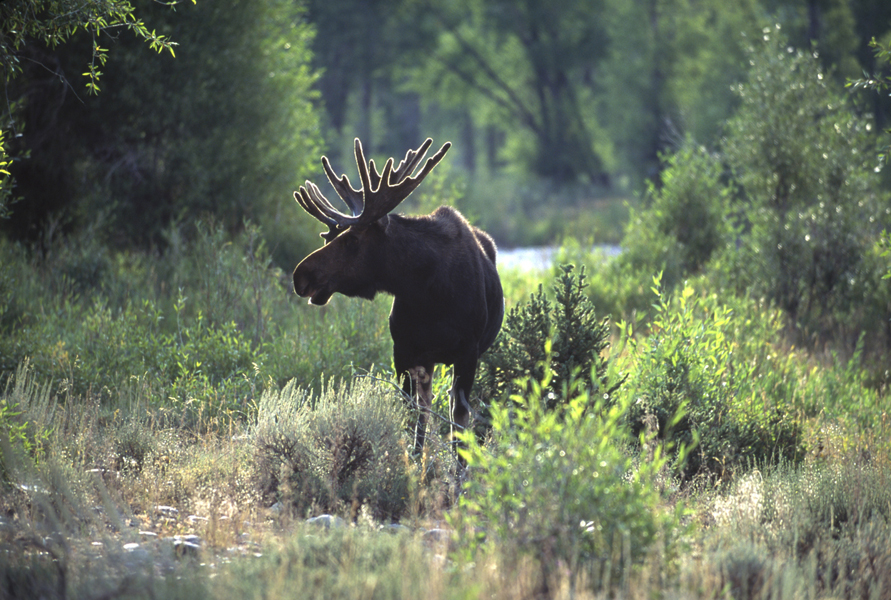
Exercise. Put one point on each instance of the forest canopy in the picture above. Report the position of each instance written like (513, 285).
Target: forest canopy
(555, 108)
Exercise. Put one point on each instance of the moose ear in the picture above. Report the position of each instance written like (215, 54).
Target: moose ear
(332, 233)
(383, 223)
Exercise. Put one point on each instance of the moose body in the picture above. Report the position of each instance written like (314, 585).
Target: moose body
(447, 298)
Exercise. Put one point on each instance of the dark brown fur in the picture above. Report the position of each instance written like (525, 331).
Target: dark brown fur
(448, 304)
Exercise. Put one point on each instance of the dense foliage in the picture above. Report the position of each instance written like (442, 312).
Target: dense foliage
(809, 197)
(24, 23)
(142, 154)
(565, 338)
(554, 485)
(723, 433)
(706, 379)
(788, 208)
(206, 328)
(683, 222)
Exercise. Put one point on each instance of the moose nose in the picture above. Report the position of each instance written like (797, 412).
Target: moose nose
(301, 285)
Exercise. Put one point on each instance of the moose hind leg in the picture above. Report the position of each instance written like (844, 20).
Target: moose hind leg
(464, 374)
(422, 384)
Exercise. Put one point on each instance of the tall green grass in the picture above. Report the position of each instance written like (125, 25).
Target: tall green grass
(209, 323)
(192, 393)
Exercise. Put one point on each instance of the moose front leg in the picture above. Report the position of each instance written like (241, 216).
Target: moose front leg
(420, 379)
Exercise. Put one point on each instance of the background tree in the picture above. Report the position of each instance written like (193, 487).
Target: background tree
(227, 128)
(549, 101)
(27, 25)
(667, 74)
(529, 67)
(357, 44)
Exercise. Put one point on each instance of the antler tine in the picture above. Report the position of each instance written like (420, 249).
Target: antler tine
(433, 161)
(374, 175)
(363, 171)
(408, 185)
(407, 165)
(352, 197)
(380, 201)
(320, 209)
(321, 204)
(305, 200)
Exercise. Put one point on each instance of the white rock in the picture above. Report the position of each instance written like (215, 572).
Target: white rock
(327, 521)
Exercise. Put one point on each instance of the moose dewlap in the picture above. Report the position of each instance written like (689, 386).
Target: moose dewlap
(447, 299)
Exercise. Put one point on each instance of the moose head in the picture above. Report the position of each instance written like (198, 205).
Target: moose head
(346, 263)
(448, 303)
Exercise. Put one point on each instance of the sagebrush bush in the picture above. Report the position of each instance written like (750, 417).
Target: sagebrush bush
(821, 526)
(803, 505)
(335, 452)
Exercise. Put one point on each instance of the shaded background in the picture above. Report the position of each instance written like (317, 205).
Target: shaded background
(559, 110)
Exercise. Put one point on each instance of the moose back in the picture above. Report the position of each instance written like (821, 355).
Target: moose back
(447, 298)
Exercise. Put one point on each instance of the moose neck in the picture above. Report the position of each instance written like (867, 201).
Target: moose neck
(411, 259)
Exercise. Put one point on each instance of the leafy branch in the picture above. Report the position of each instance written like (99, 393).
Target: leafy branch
(877, 82)
(54, 22)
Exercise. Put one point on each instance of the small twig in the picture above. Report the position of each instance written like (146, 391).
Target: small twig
(56, 73)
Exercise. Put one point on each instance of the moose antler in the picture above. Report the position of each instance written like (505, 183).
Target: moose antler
(380, 193)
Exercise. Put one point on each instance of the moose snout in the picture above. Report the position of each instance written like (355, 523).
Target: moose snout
(307, 285)
(302, 284)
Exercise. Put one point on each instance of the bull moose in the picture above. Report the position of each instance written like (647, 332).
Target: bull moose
(447, 299)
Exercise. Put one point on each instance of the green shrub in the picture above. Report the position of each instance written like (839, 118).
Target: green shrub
(228, 279)
(558, 486)
(99, 348)
(335, 452)
(567, 338)
(682, 223)
(703, 378)
(809, 197)
(207, 324)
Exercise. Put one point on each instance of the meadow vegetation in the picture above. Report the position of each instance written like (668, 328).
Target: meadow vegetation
(722, 463)
(704, 415)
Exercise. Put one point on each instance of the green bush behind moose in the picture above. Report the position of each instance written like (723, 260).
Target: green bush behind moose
(789, 208)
